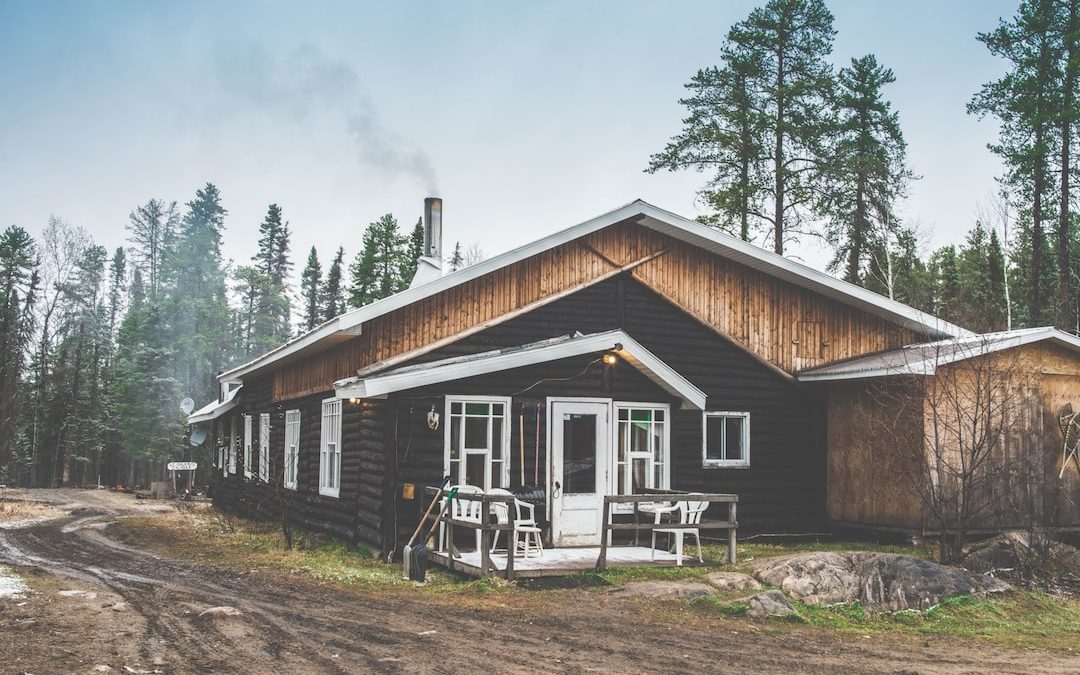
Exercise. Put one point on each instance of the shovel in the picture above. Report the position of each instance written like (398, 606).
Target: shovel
(419, 555)
(407, 551)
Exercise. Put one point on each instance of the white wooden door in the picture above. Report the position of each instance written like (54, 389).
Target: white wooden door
(580, 437)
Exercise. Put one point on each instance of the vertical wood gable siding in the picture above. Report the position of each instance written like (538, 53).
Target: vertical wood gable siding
(780, 322)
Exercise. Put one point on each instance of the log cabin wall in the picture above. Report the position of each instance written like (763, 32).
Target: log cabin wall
(782, 323)
(782, 490)
(355, 515)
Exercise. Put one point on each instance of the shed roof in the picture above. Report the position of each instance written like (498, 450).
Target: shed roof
(215, 409)
(350, 323)
(924, 358)
(626, 347)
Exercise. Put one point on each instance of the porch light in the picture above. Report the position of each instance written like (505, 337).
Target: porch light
(610, 359)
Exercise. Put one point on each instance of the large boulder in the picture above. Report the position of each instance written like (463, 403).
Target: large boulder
(895, 582)
(814, 578)
(879, 581)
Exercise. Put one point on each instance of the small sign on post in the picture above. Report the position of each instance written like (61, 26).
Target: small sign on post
(182, 466)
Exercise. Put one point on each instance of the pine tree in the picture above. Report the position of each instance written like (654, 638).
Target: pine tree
(413, 253)
(332, 296)
(310, 280)
(198, 311)
(723, 134)
(376, 271)
(271, 320)
(867, 172)
(995, 273)
(770, 98)
(153, 234)
(1025, 101)
(457, 259)
(18, 288)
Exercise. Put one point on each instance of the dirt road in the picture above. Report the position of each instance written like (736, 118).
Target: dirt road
(98, 603)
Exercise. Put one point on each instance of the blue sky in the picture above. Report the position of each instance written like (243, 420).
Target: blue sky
(525, 118)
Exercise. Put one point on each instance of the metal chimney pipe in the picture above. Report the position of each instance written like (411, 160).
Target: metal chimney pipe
(433, 228)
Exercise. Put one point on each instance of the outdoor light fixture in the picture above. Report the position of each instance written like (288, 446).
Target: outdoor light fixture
(610, 359)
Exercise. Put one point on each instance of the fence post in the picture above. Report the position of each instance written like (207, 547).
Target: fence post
(485, 537)
(731, 533)
(601, 562)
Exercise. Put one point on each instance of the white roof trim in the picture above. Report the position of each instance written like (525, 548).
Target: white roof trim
(646, 215)
(925, 358)
(410, 377)
(215, 409)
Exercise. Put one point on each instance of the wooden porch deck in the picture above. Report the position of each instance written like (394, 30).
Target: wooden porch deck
(562, 561)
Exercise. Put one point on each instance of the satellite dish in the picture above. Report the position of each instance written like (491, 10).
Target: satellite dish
(187, 405)
(198, 436)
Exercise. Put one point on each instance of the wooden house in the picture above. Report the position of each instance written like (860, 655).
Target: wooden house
(638, 349)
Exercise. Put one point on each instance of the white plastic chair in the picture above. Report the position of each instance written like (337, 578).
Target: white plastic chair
(523, 524)
(463, 509)
(689, 519)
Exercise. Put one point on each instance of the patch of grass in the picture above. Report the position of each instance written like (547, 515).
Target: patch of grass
(1022, 619)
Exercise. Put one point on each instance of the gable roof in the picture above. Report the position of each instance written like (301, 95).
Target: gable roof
(460, 367)
(924, 358)
(350, 323)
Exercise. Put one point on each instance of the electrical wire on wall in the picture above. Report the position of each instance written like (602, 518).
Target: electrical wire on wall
(559, 379)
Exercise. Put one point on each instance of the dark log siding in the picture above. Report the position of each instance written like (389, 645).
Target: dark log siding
(355, 515)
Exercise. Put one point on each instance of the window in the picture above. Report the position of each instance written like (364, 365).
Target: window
(330, 453)
(292, 447)
(477, 439)
(726, 439)
(264, 447)
(642, 450)
(234, 441)
(247, 446)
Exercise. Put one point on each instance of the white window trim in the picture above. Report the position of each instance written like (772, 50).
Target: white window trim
(613, 470)
(324, 489)
(234, 440)
(264, 447)
(725, 463)
(247, 445)
(291, 464)
(507, 419)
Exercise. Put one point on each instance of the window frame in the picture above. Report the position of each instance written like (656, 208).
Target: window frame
(291, 463)
(507, 416)
(248, 430)
(264, 447)
(234, 441)
(706, 461)
(325, 489)
(616, 430)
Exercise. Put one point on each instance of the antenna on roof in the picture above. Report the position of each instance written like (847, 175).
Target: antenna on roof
(187, 405)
